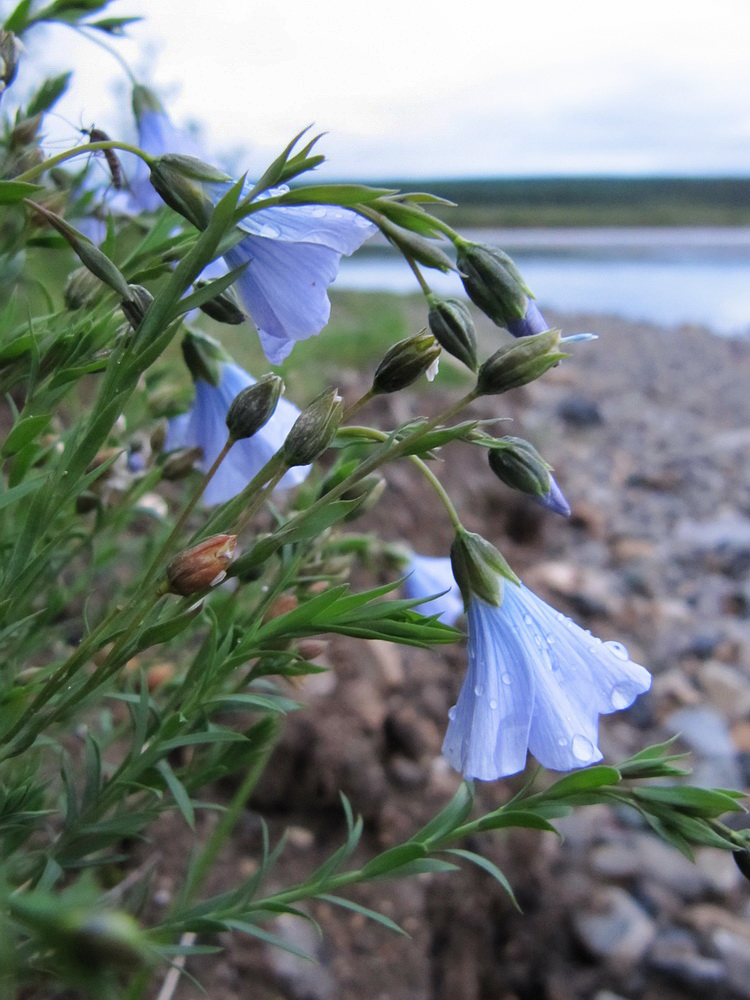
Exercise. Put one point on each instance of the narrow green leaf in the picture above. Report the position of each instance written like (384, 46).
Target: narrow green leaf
(181, 797)
(395, 857)
(267, 936)
(12, 191)
(18, 19)
(24, 431)
(449, 818)
(583, 781)
(705, 802)
(347, 904)
(19, 492)
(490, 868)
(48, 94)
(515, 818)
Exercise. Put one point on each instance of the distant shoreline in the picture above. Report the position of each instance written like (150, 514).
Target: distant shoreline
(587, 201)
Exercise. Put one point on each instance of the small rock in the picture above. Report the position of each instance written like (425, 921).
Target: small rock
(703, 729)
(727, 688)
(735, 950)
(614, 928)
(577, 412)
(675, 953)
(302, 979)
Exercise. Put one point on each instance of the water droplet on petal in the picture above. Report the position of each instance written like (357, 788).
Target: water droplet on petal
(562, 742)
(493, 704)
(550, 640)
(479, 690)
(620, 651)
(319, 212)
(621, 696)
(583, 748)
(528, 619)
(506, 679)
(452, 713)
(270, 232)
(361, 221)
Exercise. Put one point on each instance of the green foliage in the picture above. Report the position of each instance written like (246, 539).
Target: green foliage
(121, 702)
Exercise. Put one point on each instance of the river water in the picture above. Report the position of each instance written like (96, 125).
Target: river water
(664, 276)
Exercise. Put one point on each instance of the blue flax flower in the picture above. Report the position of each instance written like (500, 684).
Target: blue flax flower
(430, 575)
(204, 426)
(292, 252)
(536, 682)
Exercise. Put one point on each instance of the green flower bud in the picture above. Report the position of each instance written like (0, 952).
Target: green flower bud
(492, 281)
(181, 181)
(405, 362)
(314, 429)
(479, 568)
(90, 254)
(136, 305)
(8, 59)
(81, 288)
(253, 407)
(203, 355)
(144, 99)
(223, 307)
(519, 363)
(519, 465)
(25, 131)
(451, 323)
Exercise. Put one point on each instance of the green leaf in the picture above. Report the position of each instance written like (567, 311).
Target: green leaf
(12, 191)
(194, 739)
(514, 818)
(331, 194)
(18, 492)
(449, 818)
(488, 866)
(181, 797)
(582, 781)
(19, 18)
(394, 858)
(24, 431)
(113, 25)
(705, 802)
(48, 94)
(263, 702)
(347, 904)
(267, 936)
(208, 292)
(167, 629)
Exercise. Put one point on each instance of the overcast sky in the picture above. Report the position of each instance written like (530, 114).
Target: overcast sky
(410, 89)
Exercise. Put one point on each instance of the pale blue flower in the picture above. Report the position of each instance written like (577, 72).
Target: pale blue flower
(204, 426)
(293, 254)
(536, 682)
(430, 575)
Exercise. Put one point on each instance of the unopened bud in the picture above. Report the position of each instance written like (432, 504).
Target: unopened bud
(204, 356)
(25, 131)
(204, 565)
(136, 305)
(405, 362)
(492, 281)
(223, 307)
(80, 288)
(253, 407)
(531, 323)
(451, 323)
(519, 465)
(519, 363)
(181, 181)
(314, 429)
(90, 255)
(8, 59)
(478, 568)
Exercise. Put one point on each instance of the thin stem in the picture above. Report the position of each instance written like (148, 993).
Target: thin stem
(79, 29)
(439, 489)
(89, 147)
(357, 405)
(418, 275)
(259, 499)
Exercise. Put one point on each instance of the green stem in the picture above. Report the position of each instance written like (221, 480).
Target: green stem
(418, 275)
(78, 28)
(357, 405)
(89, 147)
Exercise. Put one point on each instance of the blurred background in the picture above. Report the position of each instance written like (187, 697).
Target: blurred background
(556, 124)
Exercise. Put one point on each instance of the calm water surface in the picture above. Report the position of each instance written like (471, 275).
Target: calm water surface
(664, 276)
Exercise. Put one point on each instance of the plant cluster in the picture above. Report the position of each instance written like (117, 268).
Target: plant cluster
(165, 561)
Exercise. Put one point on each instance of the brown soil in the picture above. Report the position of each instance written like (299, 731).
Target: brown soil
(649, 432)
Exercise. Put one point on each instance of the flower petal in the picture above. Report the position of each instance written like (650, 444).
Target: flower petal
(429, 575)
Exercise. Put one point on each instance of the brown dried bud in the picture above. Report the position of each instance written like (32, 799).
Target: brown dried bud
(204, 565)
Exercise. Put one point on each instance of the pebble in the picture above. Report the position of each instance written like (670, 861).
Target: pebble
(577, 412)
(614, 927)
(727, 688)
(703, 729)
(675, 953)
(735, 950)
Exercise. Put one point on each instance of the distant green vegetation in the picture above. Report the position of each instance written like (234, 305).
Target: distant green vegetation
(590, 201)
